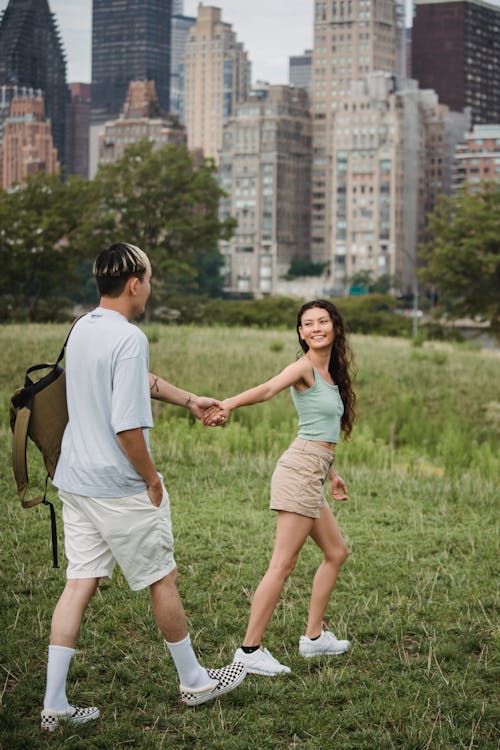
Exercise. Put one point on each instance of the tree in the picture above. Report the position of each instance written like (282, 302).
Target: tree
(37, 221)
(304, 267)
(167, 203)
(463, 254)
(379, 285)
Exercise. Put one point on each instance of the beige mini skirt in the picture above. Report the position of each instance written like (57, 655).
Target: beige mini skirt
(298, 479)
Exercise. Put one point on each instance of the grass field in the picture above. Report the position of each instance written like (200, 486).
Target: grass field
(417, 596)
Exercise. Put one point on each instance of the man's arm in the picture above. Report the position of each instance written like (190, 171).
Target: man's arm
(134, 447)
(162, 390)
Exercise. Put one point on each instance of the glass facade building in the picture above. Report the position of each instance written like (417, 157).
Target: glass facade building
(32, 56)
(130, 42)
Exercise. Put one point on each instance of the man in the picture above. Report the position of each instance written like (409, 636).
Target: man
(115, 506)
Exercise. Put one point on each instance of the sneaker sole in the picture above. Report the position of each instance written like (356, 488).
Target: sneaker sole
(73, 720)
(325, 653)
(253, 670)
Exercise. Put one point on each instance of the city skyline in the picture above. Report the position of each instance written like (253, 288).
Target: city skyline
(268, 49)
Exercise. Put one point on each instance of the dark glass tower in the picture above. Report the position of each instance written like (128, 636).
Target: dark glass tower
(456, 52)
(31, 55)
(130, 42)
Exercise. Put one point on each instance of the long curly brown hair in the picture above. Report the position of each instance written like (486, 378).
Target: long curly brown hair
(341, 365)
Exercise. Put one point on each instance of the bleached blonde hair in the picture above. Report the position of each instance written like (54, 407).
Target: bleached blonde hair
(116, 264)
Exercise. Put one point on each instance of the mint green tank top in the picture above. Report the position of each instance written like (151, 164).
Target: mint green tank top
(320, 409)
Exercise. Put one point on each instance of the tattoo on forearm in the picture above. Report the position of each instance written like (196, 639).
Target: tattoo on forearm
(154, 385)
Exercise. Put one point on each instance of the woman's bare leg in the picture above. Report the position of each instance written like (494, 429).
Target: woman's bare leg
(291, 533)
(327, 535)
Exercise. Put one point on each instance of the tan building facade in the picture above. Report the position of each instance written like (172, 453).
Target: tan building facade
(27, 146)
(216, 78)
(477, 159)
(265, 169)
(140, 120)
(380, 145)
(351, 39)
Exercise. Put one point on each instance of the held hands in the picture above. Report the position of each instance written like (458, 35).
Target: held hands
(208, 410)
(338, 487)
(217, 415)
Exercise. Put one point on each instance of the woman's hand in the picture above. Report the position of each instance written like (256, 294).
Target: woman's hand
(200, 406)
(216, 415)
(338, 487)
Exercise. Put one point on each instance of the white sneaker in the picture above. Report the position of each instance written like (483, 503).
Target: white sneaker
(325, 644)
(260, 662)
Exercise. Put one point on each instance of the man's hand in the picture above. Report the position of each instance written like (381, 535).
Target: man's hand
(217, 415)
(155, 492)
(134, 447)
(201, 406)
(338, 487)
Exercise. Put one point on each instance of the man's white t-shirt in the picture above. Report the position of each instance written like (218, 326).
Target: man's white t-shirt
(107, 365)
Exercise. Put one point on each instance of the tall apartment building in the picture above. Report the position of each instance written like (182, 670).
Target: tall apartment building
(141, 120)
(27, 146)
(351, 39)
(79, 123)
(32, 56)
(265, 169)
(299, 70)
(130, 42)
(181, 25)
(477, 159)
(381, 147)
(456, 52)
(216, 79)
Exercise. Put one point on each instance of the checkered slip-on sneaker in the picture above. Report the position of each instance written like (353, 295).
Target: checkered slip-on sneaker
(227, 678)
(75, 715)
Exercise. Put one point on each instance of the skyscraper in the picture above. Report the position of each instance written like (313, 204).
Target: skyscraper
(130, 42)
(79, 122)
(181, 26)
(477, 159)
(216, 79)
(265, 169)
(351, 39)
(456, 52)
(31, 55)
(140, 120)
(299, 70)
(27, 146)
(380, 145)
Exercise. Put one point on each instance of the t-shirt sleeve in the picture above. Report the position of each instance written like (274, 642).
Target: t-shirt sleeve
(131, 400)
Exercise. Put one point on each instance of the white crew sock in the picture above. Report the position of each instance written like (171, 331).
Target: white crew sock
(191, 674)
(57, 673)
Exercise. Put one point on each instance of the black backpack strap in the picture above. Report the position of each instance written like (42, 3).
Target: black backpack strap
(53, 525)
(61, 353)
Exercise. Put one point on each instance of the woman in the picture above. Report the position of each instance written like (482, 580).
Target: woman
(320, 385)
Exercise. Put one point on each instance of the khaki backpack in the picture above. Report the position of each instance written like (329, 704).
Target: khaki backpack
(38, 410)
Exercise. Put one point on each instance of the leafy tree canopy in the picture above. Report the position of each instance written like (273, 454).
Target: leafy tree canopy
(160, 199)
(304, 267)
(380, 285)
(165, 202)
(463, 254)
(37, 222)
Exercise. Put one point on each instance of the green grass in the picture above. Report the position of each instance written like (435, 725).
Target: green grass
(417, 596)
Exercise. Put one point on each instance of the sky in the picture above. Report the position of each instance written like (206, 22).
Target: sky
(271, 31)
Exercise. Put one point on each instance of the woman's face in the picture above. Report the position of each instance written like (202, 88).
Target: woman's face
(316, 328)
